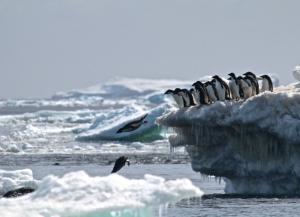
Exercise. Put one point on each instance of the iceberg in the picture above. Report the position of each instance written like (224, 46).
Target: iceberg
(254, 144)
(139, 126)
(12, 180)
(78, 194)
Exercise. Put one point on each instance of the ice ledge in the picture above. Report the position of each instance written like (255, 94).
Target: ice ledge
(254, 145)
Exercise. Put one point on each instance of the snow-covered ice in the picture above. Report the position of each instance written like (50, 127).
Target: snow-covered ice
(253, 144)
(78, 194)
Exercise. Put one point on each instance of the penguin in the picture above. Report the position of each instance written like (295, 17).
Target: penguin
(250, 76)
(185, 96)
(120, 162)
(234, 86)
(211, 91)
(195, 96)
(224, 85)
(133, 125)
(18, 192)
(201, 92)
(190, 97)
(178, 99)
(245, 88)
(267, 84)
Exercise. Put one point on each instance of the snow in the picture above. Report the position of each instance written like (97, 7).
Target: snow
(78, 194)
(11, 180)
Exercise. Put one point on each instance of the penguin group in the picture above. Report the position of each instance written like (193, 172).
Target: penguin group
(218, 89)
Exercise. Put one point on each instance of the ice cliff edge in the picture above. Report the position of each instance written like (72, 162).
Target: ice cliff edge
(254, 144)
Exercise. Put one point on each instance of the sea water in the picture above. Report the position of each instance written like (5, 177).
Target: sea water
(49, 137)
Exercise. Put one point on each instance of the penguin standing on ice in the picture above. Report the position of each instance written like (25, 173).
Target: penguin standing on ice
(195, 96)
(211, 91)
(251, 77)
(222, 88)
(178, 99)
(245, 88)
(234, 86)
(267, 84)
(188, 97)
(201, 91)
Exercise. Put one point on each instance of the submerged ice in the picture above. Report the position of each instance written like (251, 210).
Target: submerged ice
(139, 126)
(78, 194)
(253, 144)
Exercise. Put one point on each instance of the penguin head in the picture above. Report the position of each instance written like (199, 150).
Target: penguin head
(207, 83)
(177, 90)
(195, 84)
(251, 74)
(263, 76)
(169, 92)
(232, 75)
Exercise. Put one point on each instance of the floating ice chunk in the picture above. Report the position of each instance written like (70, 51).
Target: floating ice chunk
(78, 194)
(139, 126)
(12, 180)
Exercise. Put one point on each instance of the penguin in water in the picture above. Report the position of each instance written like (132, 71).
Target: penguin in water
(234, 86)
(222, 88)
(251, 77)
(267, 84)
(245, 88)
(211, 91)
(201, 92)
(120, 162)
(178, 99)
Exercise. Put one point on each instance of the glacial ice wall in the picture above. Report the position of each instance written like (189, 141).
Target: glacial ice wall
(253, 144)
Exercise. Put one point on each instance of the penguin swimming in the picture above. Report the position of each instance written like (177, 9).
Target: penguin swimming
(267, 84)
(201, 92)
(211, 91)
(133, 125)
(251, 77)
(120, 162)
(234, 86)
(245, 88)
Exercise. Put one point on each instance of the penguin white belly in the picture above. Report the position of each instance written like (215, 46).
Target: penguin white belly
(196, 97)
(265, 85)
(185, 98)
(234, 90)
(220, 91)
(247, 90)
(211, 93)
(179, 100)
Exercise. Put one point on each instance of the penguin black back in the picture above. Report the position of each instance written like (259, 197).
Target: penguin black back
(120, 162)
(269, 81)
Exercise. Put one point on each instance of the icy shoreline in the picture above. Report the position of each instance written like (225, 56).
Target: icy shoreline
(253, 144)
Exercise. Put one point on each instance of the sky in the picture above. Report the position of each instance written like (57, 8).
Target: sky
(47, 46)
